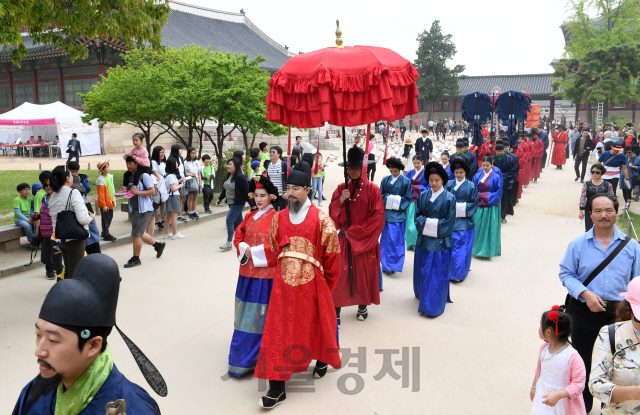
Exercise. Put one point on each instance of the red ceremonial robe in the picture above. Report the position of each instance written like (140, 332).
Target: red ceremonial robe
(538, 149)
(521, 154)
(255, 233)
(558, 158)
(366, 212)
(528, 156)
(486, 147)
(301, 320)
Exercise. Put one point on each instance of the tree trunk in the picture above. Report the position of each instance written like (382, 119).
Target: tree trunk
(605, 109)
(589, 111)
(633, 113)
(221, 166)
(431, 107)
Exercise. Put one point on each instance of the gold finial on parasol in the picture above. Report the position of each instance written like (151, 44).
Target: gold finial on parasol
(523, 91)
(339, 35)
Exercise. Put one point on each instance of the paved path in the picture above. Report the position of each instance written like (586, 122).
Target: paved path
(478, 357)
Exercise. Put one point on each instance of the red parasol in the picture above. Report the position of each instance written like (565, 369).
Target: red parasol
(343, 85)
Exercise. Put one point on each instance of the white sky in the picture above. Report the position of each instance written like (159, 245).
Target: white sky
(524, 35)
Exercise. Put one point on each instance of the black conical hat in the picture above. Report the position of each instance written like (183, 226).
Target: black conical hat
(89, 299)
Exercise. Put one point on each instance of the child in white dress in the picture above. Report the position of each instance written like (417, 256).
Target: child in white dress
(560, 372)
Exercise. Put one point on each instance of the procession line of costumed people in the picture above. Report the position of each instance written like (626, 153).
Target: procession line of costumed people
(299, 266)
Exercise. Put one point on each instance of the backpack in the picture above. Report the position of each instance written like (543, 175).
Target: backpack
(164, 195)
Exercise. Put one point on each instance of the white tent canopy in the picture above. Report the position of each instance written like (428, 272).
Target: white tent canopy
(49, 120)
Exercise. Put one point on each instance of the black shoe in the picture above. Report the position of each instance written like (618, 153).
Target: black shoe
(110, 238)
(323, 197)
(50, 274)
(363, 314)
(133, 262)
(160, 225)
(319, 372)
(159, 247)
(208, 211)
(576, 179)
(272, 399)
(182, 219)
(581, 181)
(195, 215)
(504, 220)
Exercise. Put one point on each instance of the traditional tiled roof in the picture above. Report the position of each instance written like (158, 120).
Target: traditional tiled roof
(536, 85)
(187, 25)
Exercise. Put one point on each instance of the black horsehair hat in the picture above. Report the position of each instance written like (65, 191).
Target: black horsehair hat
(434, 167)
(459, 144)
(300, 175)
(355, 158)
(395, 162)
(262, 182)
(458, 163)
(499, 145)
(86, 304)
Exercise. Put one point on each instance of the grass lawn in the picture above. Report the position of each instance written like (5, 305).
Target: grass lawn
(9, 179)
(622, 223)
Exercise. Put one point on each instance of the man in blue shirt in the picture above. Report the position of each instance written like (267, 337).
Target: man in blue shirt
(74, 148)
(594, 306)
(613, 162)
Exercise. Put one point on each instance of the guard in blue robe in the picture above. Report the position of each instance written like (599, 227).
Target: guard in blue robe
(487, 218)
(115, 387)
(76, 317)
(508, 165)
(396, 197)
(435, 217)
(466, 195)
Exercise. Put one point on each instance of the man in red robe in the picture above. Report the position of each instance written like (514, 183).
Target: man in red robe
(560, 139)
(301, 320)
(489, 146)
(536, 155)
(525, 144)
(359, 282)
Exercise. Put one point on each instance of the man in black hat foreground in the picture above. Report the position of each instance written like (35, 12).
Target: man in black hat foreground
(77, 372)
(508, 165)
(358, 213)
(300, 324)
(424, 145)
(141, 209)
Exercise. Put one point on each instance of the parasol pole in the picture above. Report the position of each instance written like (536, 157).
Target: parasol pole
(365, 165)
(386, 147)
(289, 144)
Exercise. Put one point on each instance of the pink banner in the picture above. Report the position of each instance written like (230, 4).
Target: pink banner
(42, 121)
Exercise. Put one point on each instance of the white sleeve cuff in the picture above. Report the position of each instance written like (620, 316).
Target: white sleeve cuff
(242, 248)
(389, 204)
(396, 202)
(431, 228)
(461, 210)
(259, 257)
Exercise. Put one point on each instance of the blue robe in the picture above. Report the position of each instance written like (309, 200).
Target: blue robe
(463, 229)
(432, 263)
(451, 175)
(115, 387)
(392, 247)
(471, 160)
(487, 218)
(509, 168)
(424, 182)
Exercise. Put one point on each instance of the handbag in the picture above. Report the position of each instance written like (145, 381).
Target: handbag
(569, 299)
(67, 226)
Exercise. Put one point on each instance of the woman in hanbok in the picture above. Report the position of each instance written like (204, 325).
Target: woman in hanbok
(257, 266)
(419, 184)
(396, 197)
(444, 160)
(435, 216)
(466, 195)
(487, 219)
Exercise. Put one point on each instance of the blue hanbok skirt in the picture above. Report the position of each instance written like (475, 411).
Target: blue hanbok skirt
(392, 246)
(252, 300)
(431, 280)
(461, 253)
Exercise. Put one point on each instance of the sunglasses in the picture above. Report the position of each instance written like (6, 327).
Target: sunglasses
(595, 172)
(273, 152)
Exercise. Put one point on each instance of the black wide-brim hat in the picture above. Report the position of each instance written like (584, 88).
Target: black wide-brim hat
(86, 303)
(395, 162)
(355, 158)
(458, 163)
(434, 167)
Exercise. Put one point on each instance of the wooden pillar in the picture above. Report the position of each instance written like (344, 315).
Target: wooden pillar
(11, 97)
(455, 108)
(34, 82)
(60, 86)
(552, 107)
(103, 70)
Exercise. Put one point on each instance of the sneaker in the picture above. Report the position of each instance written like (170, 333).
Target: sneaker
(159, 247)
(363, 314)
(50, 274)
(160, 225)
(181, 218)
(576, 179)
(191, 215)
(227, 246)
(166, 236)
(195, 215)
(110, 238)
(504, 220)
(319, 372)
(178, 236)
(133, 262)
(208, 211)
(320, 204)
(272, 399)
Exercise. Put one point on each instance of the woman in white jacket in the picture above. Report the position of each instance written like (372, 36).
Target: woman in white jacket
(72, 249)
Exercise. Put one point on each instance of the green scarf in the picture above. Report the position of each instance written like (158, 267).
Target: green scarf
(80, 394)
(499, 157)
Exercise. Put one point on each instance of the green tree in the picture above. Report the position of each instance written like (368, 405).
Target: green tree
(604, 73)
(132, 94)
(436, 80)
(617, 23)
(65, 24)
